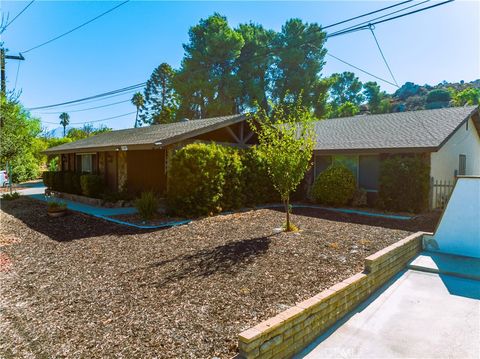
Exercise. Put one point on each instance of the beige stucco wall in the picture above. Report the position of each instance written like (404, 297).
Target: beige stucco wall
(445, 161)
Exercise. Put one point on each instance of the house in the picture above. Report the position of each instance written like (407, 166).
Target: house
(448, 138)
(136, 158)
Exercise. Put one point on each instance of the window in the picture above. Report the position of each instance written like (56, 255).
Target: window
(369, 172)
(462, 165)
(321, 164)
(84, 163)
(351, 162)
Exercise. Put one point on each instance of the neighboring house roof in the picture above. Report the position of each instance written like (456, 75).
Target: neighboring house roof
(413, 130)
(148, 136)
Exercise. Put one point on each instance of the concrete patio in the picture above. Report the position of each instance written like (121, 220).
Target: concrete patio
(418, 314)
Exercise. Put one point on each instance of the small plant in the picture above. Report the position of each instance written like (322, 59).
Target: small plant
(11, 196)
(56, 206)
(147, 205)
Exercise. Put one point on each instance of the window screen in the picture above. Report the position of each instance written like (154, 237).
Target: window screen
(87, 163)
(321, 164)
(462, 165)
(351, 162)
(369, 172)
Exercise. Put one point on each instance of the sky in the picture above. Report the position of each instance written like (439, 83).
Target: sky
(123, 47)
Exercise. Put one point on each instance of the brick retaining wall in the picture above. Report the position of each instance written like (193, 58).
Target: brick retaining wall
(292, 330)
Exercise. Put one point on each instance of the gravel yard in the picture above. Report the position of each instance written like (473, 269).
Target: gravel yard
(80, 287)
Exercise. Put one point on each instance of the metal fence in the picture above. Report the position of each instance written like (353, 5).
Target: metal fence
(440, 191)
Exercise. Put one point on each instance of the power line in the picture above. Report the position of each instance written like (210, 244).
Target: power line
(379, 17)
(364, 71)
(383, 56)
(85, 109)
(76, 28)
(16, 17)
(16, 76)
(124, 89)
(103, 119)
(367, 14)
(364, 27)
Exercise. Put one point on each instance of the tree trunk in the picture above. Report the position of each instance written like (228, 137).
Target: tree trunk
(64, 128)
(136, 119)
(287, 210)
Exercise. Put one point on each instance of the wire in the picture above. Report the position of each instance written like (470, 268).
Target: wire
(363, 15)
(380, 17)
(16, 76)
(103, 119)
(364, 71)
(85, 109)
(76, 28)
(364, 27)
(16, 17)
(383, 56)
(124, 89)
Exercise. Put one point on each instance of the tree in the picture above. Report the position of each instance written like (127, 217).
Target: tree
(86, 131)
(469, 96)
(438, 98)
(206, 82)
(286, 140)
(253, 66)
(137, 101)
(160, 100)
(64, 121)
(347, 109)
(18, 133)
(299, 59)
(373, 95)
(346, 87)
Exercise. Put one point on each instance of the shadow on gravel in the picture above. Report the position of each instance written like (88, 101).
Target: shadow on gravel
(425, 222)
(73, 226)
(224, 259)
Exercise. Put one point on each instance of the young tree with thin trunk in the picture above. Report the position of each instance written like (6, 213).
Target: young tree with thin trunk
(138, 101)
(64, 121)
(286, 139)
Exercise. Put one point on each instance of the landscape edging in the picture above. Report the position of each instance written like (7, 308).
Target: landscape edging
(292, 330)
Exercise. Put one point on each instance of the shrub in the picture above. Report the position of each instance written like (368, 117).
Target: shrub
(92, 185)
(147, 205)
(196, 178)
(58, 181)
(360, 198)
(258, 188)
(404, 184)
(233, 189)
(47, 177)
(335, 186)
(11, 196)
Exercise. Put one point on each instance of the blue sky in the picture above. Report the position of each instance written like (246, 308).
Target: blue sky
(123, 47)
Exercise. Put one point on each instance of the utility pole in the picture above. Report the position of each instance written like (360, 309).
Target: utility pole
(3, 56)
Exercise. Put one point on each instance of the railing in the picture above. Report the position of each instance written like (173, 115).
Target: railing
(440, 191)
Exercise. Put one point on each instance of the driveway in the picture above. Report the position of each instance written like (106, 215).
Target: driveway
(419, 315)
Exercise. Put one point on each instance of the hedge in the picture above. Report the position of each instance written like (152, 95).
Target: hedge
(204, 179)
(336, 186)
(404, 184)
(71, 182)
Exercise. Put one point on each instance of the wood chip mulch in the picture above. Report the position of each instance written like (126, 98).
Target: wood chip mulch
(80, 287)
(158, 220)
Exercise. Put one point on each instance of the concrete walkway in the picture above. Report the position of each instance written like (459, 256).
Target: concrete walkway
(417, 315)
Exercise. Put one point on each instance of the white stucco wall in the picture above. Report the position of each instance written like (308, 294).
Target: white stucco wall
(445, 161)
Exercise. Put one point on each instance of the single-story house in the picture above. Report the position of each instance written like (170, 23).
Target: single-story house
(448, 138)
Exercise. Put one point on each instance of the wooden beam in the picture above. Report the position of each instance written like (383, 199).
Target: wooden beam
(235, 137)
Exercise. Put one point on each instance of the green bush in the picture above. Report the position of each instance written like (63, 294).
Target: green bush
(196, 178)
(92, 185)
(335, 186)
(58, 181)
(258, 188)
(147, 205)
(404, 184)
(232, 191)
(47, 177)
(11, 196)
